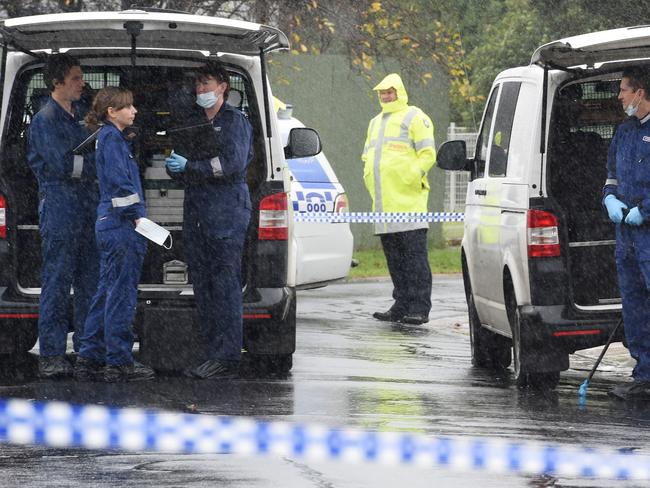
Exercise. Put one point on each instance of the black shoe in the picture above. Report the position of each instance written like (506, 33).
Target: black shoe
(637, 390)
(415, 318)
(52, 367)
(88, 370)
(388, 316)
(128, 372)
(215, 369)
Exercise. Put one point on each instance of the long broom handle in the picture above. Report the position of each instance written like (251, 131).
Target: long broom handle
(602, 353)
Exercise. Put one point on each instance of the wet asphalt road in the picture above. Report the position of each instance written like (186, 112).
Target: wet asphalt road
(349, 369)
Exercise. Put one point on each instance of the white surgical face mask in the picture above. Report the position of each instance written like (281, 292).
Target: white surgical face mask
(632, 109)
(153, 232)
(206, 100)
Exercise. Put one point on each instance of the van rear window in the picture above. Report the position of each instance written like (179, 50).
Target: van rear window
(590, 107)
(37, 93)
(584, 118)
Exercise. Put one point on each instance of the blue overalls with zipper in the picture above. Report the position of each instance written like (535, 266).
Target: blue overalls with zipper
(68, 198)
(628, 179)
(216, 213)
(108, 334)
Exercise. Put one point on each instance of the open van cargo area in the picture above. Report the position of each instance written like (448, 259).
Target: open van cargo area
(584, 118)
(161, 94)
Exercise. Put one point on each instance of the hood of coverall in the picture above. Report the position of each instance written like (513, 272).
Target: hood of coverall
(393, 80)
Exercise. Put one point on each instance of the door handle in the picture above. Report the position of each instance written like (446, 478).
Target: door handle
(480, 192)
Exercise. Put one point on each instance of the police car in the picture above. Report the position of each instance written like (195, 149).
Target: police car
(155, 54)
(323, 250)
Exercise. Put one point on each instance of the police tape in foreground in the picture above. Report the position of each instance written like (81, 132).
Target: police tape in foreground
(378, 217)
(62, 425)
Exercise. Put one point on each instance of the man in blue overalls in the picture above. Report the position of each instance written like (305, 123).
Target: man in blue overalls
(216, 214)
(68, 198)
(628, 189)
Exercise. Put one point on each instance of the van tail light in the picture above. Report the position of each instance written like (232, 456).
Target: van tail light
(274, 218)
(341, 203)
(543, 235)
(3, 217)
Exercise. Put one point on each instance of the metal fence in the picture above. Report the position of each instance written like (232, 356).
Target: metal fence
(456, 181)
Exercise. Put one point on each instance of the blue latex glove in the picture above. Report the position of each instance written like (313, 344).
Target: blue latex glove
(614, 208)
(634, 217)
(175, 162)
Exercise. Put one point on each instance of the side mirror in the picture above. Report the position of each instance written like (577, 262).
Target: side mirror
(303, 143)
(452, 156)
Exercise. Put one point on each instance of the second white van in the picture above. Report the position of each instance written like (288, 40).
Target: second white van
(538, 247)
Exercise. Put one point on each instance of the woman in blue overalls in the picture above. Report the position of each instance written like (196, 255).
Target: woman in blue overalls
(106, 346)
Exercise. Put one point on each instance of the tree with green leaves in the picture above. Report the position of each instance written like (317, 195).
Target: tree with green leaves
(471, 40)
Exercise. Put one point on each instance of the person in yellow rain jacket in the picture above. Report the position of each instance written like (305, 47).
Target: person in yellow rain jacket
(399, 152)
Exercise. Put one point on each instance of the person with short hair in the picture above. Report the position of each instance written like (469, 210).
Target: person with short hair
(626, 197)
(216, 214)
(106, 346)
(67, 202)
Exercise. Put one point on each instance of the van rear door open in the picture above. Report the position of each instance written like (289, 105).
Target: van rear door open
(596, 47)
(151, 30)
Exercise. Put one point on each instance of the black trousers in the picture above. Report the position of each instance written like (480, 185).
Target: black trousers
(408, 264)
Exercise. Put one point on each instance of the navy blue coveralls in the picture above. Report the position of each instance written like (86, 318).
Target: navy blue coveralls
(628, 179)
(68, 198)
(217, 211)
(108, 336)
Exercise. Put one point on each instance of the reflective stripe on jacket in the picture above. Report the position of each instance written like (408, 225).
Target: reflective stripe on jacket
(121, 197)
(398, 154)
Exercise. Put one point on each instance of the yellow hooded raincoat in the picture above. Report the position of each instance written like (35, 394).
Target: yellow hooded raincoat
(399, 152)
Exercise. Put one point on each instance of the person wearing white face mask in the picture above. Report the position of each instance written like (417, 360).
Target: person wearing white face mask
(398, 153)
(628, 187)
(207, 100)
(216, 214)
(633, 107)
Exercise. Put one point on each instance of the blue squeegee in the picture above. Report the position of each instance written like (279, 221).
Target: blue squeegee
(582, 392)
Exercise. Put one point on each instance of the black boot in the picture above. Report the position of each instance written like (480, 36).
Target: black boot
(637, 390)
(388, 316)
(54, 367)
(128, 372)
(215, 369)
(88, 370)
(415, 319)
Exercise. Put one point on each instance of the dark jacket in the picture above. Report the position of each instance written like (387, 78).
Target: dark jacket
(67, 185)
(216, 194)
(628, 165)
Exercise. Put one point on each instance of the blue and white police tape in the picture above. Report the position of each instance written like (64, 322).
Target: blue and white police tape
(378, 217)
(62, 425)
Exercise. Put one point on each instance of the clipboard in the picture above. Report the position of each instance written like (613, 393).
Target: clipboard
(194, 140)
(87, 146)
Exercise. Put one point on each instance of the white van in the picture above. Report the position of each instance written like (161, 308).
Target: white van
(155, 54)
(538, 249)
